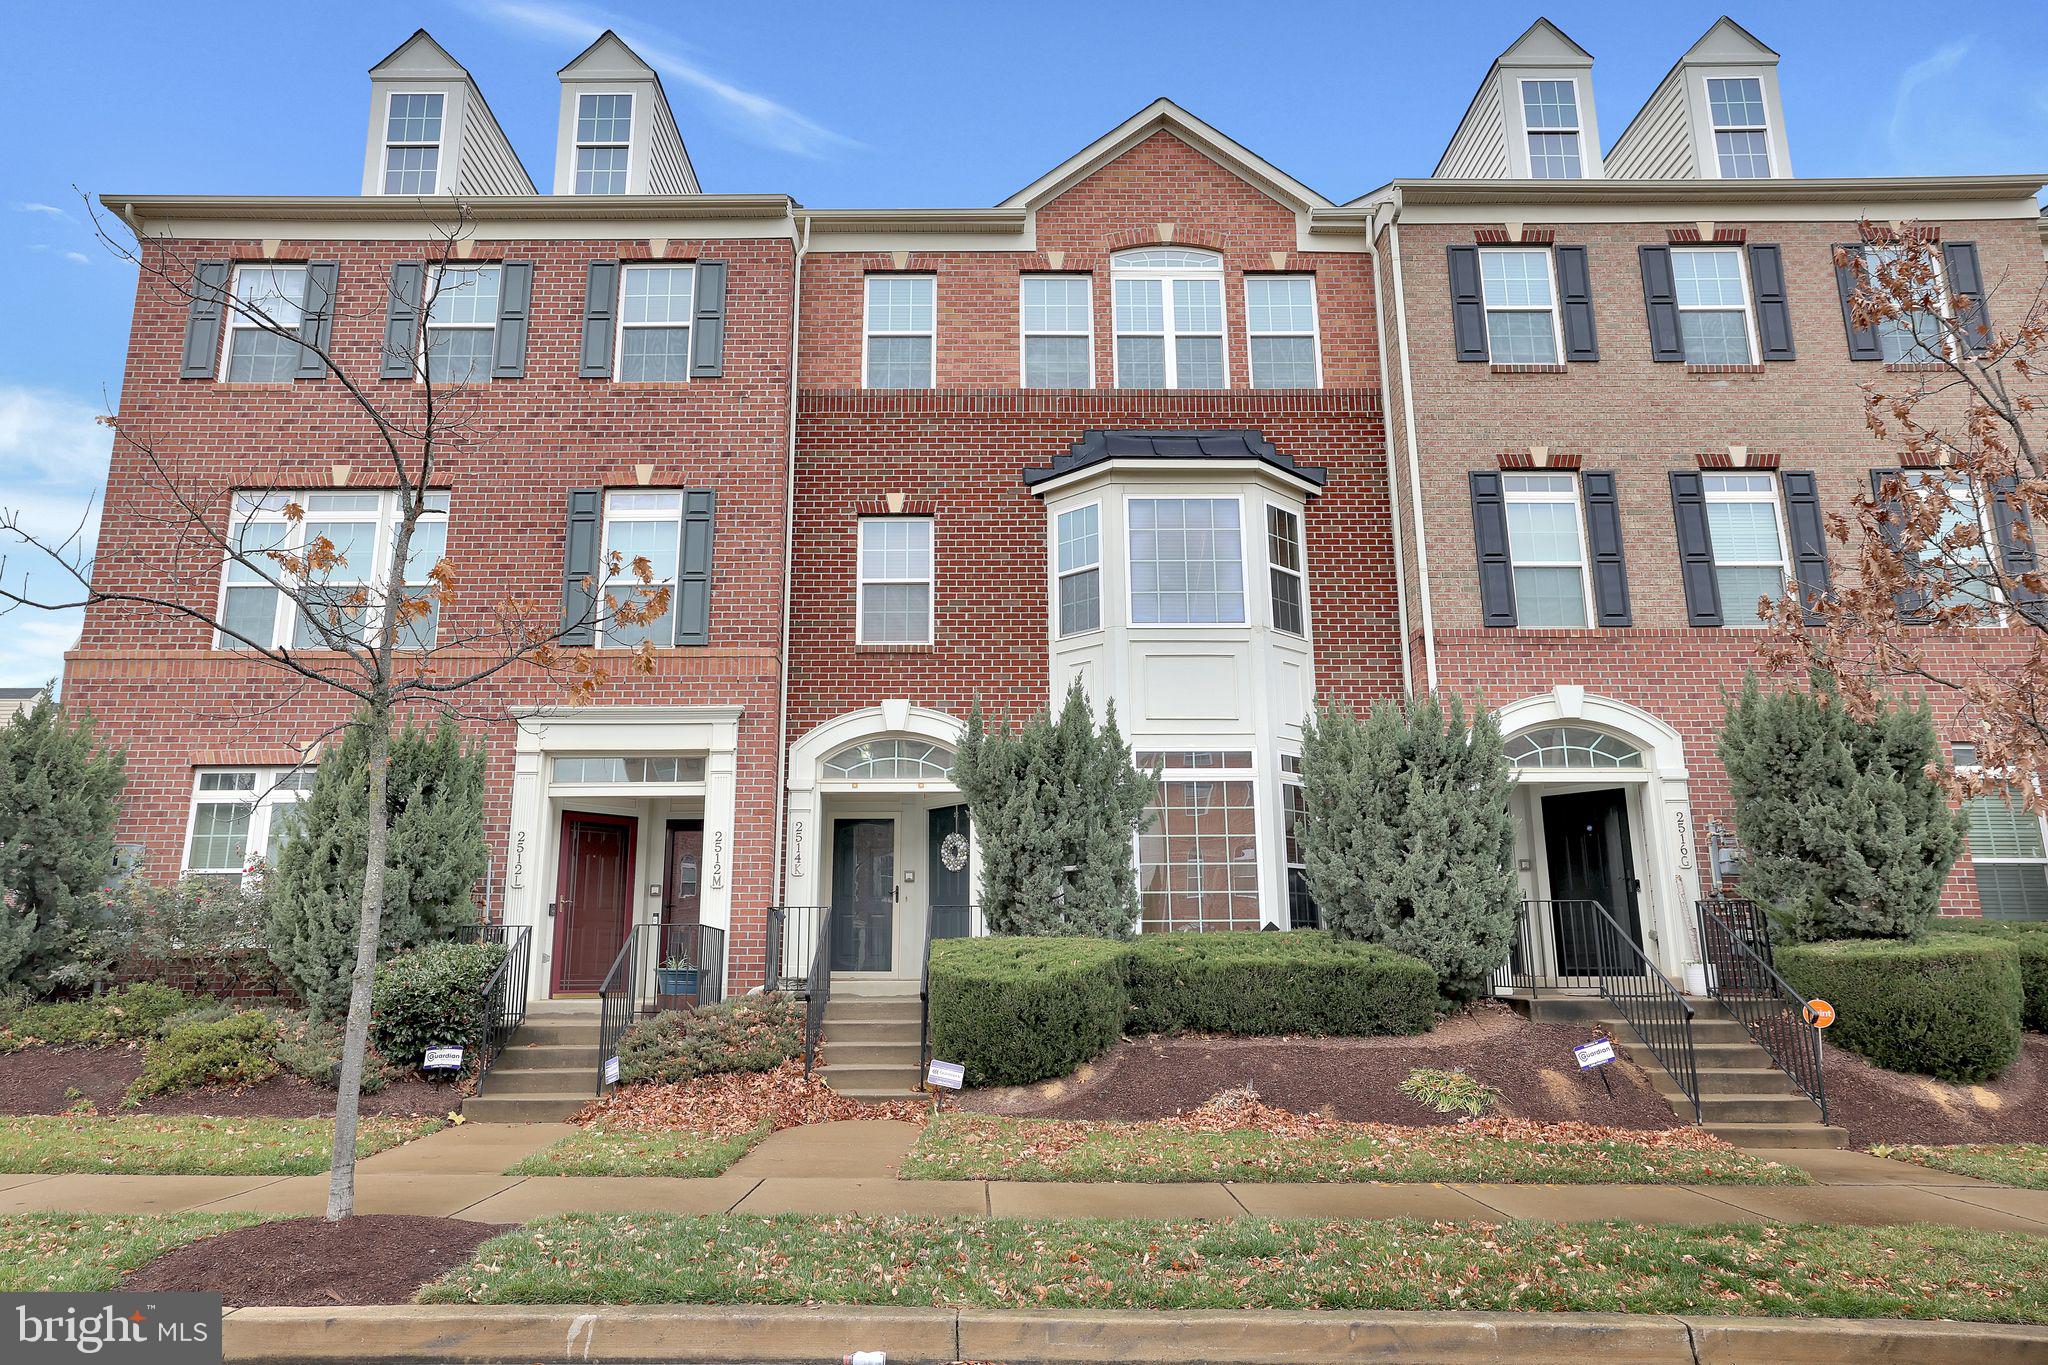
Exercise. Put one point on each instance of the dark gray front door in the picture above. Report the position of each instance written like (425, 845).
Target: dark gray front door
(863, 895)
(1585, 839)
(951, 892)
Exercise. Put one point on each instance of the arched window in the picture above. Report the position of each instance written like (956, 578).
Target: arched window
(1169, 318)
(1571, 746)
(891, 760)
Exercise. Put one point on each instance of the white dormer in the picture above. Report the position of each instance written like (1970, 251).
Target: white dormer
(1715, 116)
(617, 135)
(431, 132)
(1533, 115)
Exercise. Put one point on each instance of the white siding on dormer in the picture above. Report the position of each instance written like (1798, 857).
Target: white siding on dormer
(1479, 150)
(1658, 144)
(668, 169)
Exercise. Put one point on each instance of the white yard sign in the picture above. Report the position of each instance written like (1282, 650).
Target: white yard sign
(443, 1059)
(1599, 1052)
(946, 1075)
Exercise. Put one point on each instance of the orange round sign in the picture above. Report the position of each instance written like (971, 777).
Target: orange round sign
(1819, 1013)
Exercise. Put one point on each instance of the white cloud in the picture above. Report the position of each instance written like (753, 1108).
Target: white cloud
(1967, 107)
(51, 210)
(75, 257)
(1908, 124)
(78, 258)
(53, 460)
(765, 120)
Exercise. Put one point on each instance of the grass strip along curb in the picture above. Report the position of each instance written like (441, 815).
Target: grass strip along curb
(184, 1145)
(75, 1253)
(599, 1151)
(2021, 1164)
(978, 1147)
(1767, 1270)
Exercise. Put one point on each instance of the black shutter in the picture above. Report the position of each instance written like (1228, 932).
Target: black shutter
(1575, 292)
(2016, 547)
(1773, 310)
(203, 320)
(600, 307)
(1966, 287)
(1910, 602)
(515, 304)
(1809, 536)
(707, 333)
(1468, 306)
(402, 321)
(316, 319)
(1603, 529)
(1490, 538)
(1660, 302)
(1695, 548)
(693, 577)
(1863, 343)
(581, 581)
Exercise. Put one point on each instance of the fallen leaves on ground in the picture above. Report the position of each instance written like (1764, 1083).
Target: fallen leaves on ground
(736, 1102)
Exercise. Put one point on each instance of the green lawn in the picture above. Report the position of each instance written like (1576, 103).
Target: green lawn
(598, 1151)
(2024, 1164)
(138, 1144)
(1918, 1271)
(975, 1147)
(76, 1253)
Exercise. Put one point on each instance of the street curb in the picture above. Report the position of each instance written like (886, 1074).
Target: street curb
(387, 1335)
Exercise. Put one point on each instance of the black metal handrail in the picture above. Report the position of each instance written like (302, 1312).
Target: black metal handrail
(1749, 987)
(940, 921)
(640, 984)
(1588, 947)
(501, 1001)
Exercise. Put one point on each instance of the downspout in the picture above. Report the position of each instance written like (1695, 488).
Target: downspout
(801, 242)
(1379, 336)
(1414, 457)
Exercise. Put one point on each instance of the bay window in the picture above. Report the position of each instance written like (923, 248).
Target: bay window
(1198, 851)
(1186, 561)
(1078, 570)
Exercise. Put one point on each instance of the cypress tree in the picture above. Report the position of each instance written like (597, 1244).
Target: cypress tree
(1408, 839)
(1844, 830)
(59, 798)
(436, 856)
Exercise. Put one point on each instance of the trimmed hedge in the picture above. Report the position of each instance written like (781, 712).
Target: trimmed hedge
(1946, 1006)
(1017, 1010)
(2031, 941)
(751, 1033)
(428, 998)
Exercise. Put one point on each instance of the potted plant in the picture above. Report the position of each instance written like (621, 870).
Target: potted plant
(675, 981)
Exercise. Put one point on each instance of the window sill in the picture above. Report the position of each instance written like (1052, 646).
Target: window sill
(652, 385)
(896, 649)
(1915, 367)
(1526, 369)
(1721, 371)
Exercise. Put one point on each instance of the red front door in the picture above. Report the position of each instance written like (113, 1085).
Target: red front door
(593, 898)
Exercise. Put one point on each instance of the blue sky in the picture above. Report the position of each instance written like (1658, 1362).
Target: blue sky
(846, 105)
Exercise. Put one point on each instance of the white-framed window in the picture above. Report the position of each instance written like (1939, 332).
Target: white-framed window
(1712, 289)
(1302, 912)
(1168, 303)
(1547, 546)
(1058, 327)
(461, 323)
(254, 355)
(362, 528)
(1742, 137)
(412, 142)
(640, 523)
(1281, 331)
(1550, 112)
(900, 339)
(1186, 561)
(1746, 526)
(604, 133)
(2010, 857)
(1198, 851)
(1965, 564)
(1915, 338)
(239, 817)
(1284, 570)
(1077, 569)
(656, 306)
(895, 581)
(1520, 295)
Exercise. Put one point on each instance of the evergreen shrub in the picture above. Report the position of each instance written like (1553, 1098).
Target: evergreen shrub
(237, 1050)
(1946, 1006)
(429, 997)
(59, 797)
(752, 1033)
(1022, 1009)
(2030, 941)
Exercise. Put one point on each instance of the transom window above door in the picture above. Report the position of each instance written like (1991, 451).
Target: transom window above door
(1169, 319)
(891, 760)
(1571, 746)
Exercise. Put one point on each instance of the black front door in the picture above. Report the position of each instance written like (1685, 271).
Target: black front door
(951, 896)
(1585, 838)
(863, 895)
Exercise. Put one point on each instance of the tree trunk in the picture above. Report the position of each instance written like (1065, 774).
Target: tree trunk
(341, 1180)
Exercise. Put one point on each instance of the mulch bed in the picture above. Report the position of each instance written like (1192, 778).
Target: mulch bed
(35, 1081)
(1885, 1106)
(1356, 1079)
(310, 1262)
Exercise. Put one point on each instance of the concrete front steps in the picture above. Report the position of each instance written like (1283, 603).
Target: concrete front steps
(1744, 1098)
(548, 1072)
(870, 1048)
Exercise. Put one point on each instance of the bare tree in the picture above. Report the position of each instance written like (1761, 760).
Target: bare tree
(370, 633)
(1936, 584)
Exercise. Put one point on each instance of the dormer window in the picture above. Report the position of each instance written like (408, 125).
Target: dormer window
(604, 133)
(1169, 319)
(1741, 132)
(412, 142)
(1550, 112)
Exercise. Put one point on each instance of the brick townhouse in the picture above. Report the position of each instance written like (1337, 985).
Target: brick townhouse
(1125, 428)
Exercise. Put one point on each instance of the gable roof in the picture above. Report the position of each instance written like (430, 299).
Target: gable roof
(1164, 114)
(609, 55)
(419, 55)
(1726, 40)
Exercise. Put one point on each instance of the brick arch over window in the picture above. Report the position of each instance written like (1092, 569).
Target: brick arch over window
(1196, 239)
